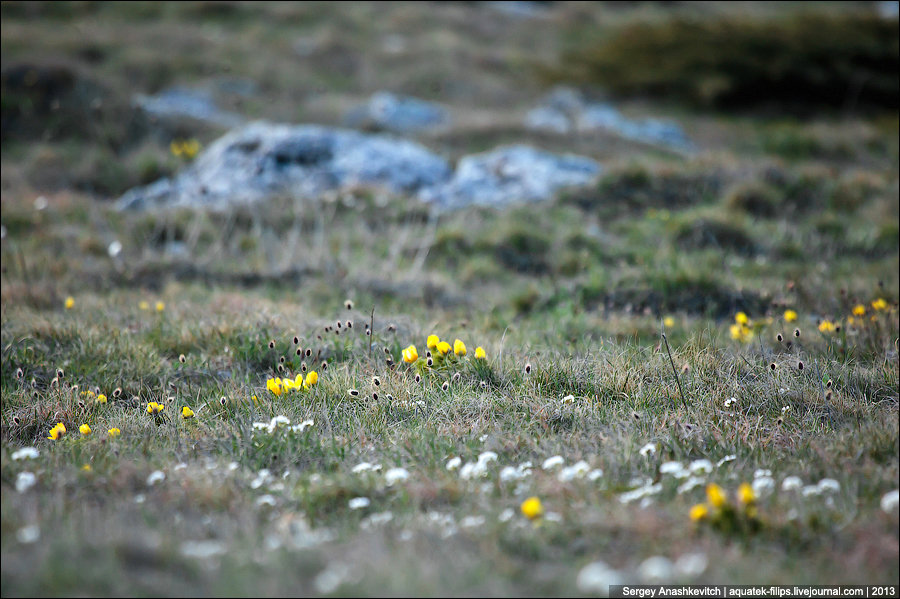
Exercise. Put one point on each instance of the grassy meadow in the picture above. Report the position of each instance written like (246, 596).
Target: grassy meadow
(685, 373)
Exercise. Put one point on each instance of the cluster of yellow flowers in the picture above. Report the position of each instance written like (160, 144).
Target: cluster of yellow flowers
(185, 148)
(742, 329)
(438, 351)
(723, 515)
(278, 385)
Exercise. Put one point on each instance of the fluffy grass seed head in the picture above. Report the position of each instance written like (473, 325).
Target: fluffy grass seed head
(532, 508)
(84, 429)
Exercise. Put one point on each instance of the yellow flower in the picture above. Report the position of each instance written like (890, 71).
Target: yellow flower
(410, 354)
(70, 301)
(186, 412)
(87, 468)
(144, 305)
(699, 512)
(274, 385)
(880, 304)
(790, 315)
(740, 333)
(859, 310)
(669, 322)
(57, 431)
(459, 348)
(176, 148)
(190, 148)
(741, 318)
(84, 429)
(443, 348)
(312, 377)
(826, 326)
(479, 352)
(160, 306)
(114, 432)
(532, 508)
(716, 495)
(745, 494)
(101, 398)
(432, 341)
(154, 408)
(289, 385)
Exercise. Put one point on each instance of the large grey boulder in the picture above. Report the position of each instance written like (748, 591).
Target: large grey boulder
(403, 114)
(263, 159)
(510, 175)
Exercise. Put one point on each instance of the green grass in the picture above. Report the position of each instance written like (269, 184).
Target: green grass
(774, 214)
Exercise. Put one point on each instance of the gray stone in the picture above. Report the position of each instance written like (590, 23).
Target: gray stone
(509, 175)
(180, 102)
(404, 114)
(262, 159)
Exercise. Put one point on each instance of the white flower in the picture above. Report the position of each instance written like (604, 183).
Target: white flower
(552, 517)
(26, 453)
(568, 399)
(454, 463)
(691, 565)
(830, 485)
(727, 458)
(553, 462)
(730, 402)
(157, 476)
(690, 483)
(595, 474)
(763, 485)
(376, 520)
(395, 474)
(670, 468)
(811, 490)
(24, 481)
(261, 478)
(506, 515)
(890, 501)
(760, 472)
(115, 248)
(179, 466)
(28, 534)
(359, 502)
(260, 426)
(299, 428)
(577, 470)
(791, 483)
(596, 578)
(471, 521)
(487, 457)
(648, 449)
(640, 492)
(656, 569)
(265, 500)
(331, 578)
(365, 467)
(700, 467)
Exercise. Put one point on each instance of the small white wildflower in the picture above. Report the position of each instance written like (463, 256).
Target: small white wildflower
(791, 483)
(553, 462)
(362, 467)
(890, 501)
(482, 438)
(691, 565)
(507, 514)
(577, 470)
(640, 492)
(299, 428)
(140, 498)
(785, 409)
(471, 522)
(701, 467)
(760, 472)
(568, 399)
(726, 459)
(646, 502)
(265, 500)
(262, 478)
(552, 517)
(596, 578)
(648, 449)
(28, 534)
(24, 481)
(656, 569)
(690, 484)
(395, 474)
(260, 426)
(331, 578)
(730, 402)
(25, 453)
(670, 467)
(809, 490)
(114, 249)
(763, 485)
(232, 466)
(358, 503)
(375, 520)
(487, 457)
(829, 485)
(157, 476)
(454, 463)
(595, 474)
